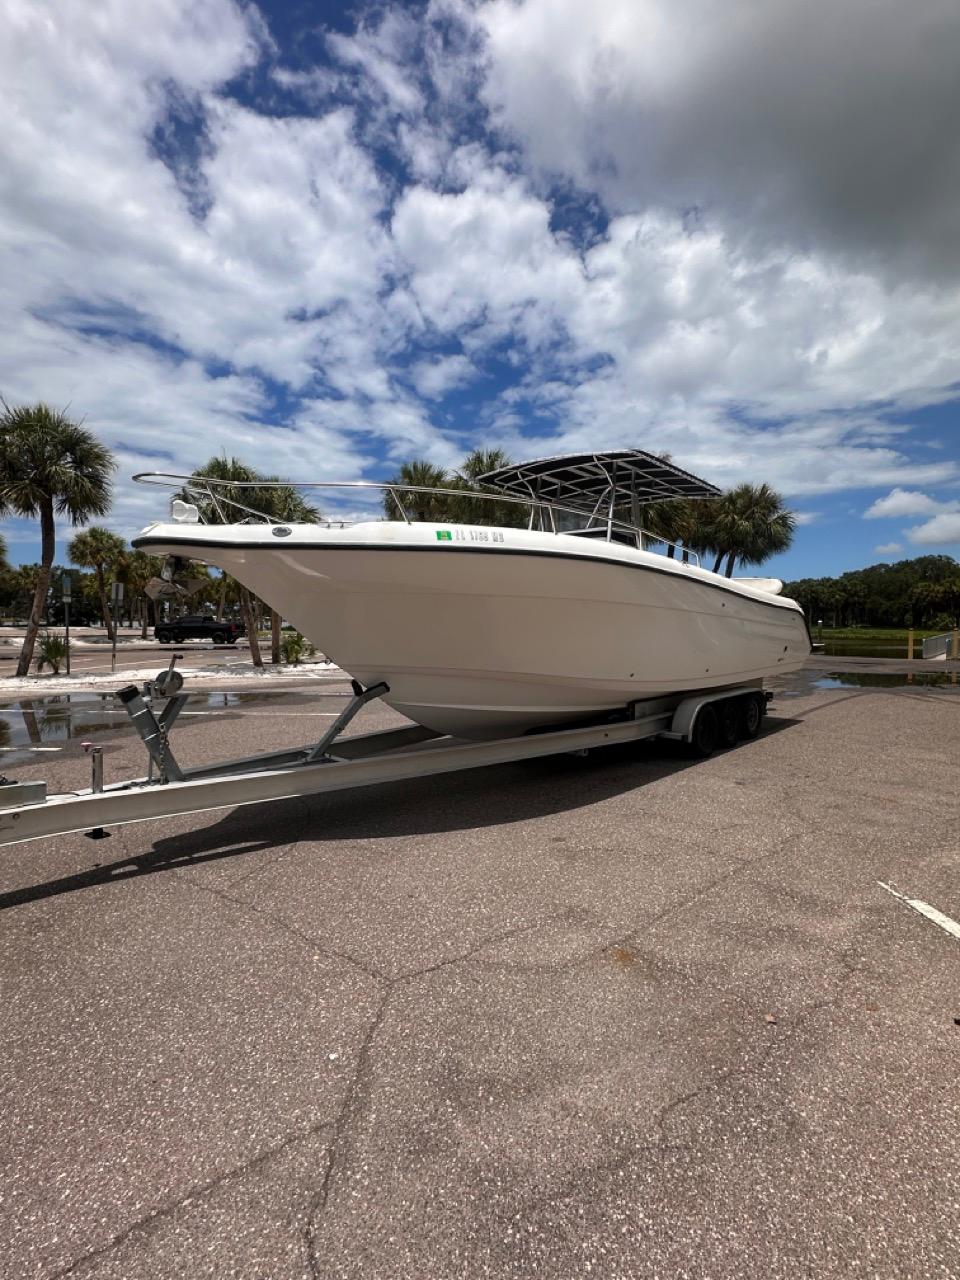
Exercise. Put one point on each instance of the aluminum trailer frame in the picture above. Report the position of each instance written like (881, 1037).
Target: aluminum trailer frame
(332, 764)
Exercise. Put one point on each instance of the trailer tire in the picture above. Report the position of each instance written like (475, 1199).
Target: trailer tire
(164, 637)
(752, 708)
(705, 734)
(219, 637)
(730, 719)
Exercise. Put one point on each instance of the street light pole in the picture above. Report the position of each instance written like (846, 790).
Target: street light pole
(66, 596)
(116, 598)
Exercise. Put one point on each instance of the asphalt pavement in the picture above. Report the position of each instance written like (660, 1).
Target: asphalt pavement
(626, 1016)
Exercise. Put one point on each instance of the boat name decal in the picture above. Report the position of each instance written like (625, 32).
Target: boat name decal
(280, 531)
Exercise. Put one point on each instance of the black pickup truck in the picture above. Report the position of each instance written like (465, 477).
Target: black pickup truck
(196, 627)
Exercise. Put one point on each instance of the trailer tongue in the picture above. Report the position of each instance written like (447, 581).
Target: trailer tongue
(335, 762)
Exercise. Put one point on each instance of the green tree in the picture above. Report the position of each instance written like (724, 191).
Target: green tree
(272, 498)
(660, 522)
(219, 510)
(5, 574)
(49, 466)
(420, 506)
(98, 549)
(919, 591)
(679, 523)
(488, 511)
(748, 523)
(462, 505)
(20, 585)
(135, 570)
(281, 501)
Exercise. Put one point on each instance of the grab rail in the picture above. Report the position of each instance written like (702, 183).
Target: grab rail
(200, 486)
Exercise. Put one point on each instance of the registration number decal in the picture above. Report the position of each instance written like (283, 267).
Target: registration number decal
(470, 535)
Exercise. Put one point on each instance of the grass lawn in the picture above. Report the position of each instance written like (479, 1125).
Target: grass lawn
(870, 635)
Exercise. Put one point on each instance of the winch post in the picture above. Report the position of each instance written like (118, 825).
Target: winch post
(153, 732)
(360, 698)
(171, 709)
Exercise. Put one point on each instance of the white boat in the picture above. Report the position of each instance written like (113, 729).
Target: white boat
(483, 631)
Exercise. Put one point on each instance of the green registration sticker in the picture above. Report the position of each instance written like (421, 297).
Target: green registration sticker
(444, 535)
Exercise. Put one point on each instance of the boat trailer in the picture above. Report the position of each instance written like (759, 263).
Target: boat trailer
(334, 763)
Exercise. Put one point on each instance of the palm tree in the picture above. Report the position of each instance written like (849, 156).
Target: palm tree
(277, 500)
(748, 523)
(461, 506)
(281, 502)
(479, 461)
(673, 521)
(470, 510)
(6, 575)
(135, 571)
(421, 506)
(49, 466)
(677, 522)
(220, 467)
(102, 551)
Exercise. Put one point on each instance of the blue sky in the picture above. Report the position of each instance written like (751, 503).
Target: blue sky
(328, 238)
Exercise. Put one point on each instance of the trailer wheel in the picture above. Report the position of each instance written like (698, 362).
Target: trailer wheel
(706, 733)
(163, 637)
(729, 717)
(752, 708)
(219, 637)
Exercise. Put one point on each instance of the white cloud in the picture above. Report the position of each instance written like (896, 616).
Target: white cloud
(806, 517)
(793, 129)
(889, 548)
(434, 378)
(387, 56)
(283, 278)
(940, 530)
(175, 306)
(484, 259)
(943, 526)
(682, 326)
(905, 502)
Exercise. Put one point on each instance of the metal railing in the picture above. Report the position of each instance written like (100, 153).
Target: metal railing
(214, 492)
(945, 646)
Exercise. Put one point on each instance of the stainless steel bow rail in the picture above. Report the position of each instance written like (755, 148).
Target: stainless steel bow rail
(335, 763)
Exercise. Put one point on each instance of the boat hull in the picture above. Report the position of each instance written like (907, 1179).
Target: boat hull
(489, 641)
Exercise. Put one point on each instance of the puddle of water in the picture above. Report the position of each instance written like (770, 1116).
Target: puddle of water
(31, 724)
(52, 721)
(866, 680)
(800, 683)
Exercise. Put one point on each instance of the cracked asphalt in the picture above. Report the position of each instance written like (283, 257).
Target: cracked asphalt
(625, 1016)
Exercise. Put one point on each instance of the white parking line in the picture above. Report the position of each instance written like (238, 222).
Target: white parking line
(31, 748)
(925, 909)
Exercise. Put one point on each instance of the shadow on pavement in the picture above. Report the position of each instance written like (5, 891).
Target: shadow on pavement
(498, 795)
